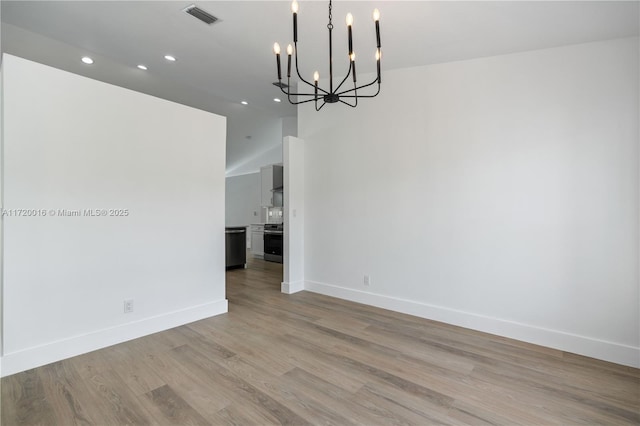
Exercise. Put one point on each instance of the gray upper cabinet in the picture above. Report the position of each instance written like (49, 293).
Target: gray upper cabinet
(272, 179)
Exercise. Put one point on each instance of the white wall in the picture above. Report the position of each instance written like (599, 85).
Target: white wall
(290, 126)
(262, 147)
(293, 152)
(75, 143)
(499, 194)
(1, 208)
(243, 199)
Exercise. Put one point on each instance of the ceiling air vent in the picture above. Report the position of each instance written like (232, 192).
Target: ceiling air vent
(205, 17)
(280, 85)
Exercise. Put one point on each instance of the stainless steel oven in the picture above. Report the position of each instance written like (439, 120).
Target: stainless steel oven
(273, 242)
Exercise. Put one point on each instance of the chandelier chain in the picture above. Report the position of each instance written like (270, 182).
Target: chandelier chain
(330, 25)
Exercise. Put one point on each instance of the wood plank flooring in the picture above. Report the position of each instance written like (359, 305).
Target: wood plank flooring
(307, 359)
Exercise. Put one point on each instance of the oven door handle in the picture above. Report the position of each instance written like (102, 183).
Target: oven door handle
(273, 232)
(234, 231)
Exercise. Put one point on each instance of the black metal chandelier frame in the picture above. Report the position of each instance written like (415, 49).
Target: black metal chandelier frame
(320, 96)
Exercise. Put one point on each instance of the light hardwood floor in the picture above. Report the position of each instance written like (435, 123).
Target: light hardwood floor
(310, 359)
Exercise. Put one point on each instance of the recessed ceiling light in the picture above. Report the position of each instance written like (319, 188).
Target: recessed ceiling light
(170, 58)
(142, 67)
(244, 103)
(276, 100)
(87, 60)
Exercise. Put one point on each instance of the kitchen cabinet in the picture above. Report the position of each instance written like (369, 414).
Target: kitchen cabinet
(257, 240)
(272, 178)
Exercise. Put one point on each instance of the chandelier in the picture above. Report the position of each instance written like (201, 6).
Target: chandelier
(321, 97)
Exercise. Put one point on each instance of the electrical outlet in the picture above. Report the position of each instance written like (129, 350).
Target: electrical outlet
(128, 306)
(367, 280)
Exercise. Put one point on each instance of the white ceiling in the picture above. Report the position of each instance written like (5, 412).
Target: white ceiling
(220, 65)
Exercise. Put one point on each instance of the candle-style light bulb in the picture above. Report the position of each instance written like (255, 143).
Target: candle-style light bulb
(289, 53)
(353, 65)
(349, 21)
(378, 54)
(316, 77)
(276, 50)
(294, 9)
(376, 19)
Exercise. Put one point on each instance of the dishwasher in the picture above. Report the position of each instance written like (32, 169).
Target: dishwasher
(235, 247)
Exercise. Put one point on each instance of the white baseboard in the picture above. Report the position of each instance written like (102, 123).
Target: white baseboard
(582, 345)
(292, 287)
(22, 360)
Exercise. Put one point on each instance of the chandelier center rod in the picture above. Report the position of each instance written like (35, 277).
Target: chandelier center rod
(330, 27)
